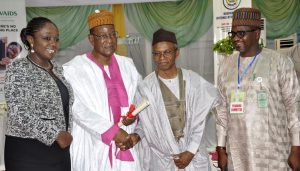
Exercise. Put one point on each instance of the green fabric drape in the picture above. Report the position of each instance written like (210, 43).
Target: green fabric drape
(283, 16)
(189, 19)
(71, 21)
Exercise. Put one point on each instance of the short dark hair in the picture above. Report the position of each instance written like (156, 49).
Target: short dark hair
(33, 26)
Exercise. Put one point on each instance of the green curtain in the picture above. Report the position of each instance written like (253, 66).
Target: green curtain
(189, 19)
(71, 21)
(283, 16)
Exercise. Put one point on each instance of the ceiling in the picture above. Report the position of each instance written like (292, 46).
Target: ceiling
(52, 3)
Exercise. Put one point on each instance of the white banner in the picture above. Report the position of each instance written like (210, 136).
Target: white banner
(12, 20)
(222, 14)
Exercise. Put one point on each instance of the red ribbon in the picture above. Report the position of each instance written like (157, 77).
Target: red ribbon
(129, 113)
(131, 109)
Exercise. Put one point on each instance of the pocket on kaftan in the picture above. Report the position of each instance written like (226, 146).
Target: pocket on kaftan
(47, 117)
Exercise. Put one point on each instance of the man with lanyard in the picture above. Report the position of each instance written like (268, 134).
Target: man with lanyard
(171, 128)
(258, 121)
(104, 84)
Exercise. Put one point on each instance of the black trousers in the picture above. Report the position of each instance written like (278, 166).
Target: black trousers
(23, 154)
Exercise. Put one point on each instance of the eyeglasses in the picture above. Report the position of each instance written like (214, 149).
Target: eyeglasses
(103, 37)
(239, 34)
(166, 53)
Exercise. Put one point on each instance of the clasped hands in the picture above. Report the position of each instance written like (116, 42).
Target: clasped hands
(183, 159)
(123, 140)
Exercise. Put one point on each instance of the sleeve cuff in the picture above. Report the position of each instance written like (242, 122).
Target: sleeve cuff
(221, 140)
(221, 134)
(295, 139)
(193, 147)
(108, 135)
(140, 133)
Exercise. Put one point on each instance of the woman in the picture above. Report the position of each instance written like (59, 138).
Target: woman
(38, 99)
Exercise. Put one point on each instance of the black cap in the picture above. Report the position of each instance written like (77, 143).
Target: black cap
(162, 35)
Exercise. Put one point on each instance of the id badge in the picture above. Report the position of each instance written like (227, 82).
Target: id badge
(237, 102)
(236, 108)
(262, 99)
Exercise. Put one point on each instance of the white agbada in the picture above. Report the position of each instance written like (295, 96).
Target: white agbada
(158, 143)
(92, 115)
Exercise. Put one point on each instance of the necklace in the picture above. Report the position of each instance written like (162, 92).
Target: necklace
(45, 68)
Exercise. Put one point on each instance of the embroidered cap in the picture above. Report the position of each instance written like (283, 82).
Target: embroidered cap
(162, 35)
(99, 18)
(246, 17)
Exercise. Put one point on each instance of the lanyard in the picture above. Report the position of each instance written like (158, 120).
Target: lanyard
(245, 71)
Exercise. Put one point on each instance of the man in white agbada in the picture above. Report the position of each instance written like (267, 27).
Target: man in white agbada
(104, 84)
(171, 128)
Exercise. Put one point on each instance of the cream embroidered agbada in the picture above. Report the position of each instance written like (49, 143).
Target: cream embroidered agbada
(259, 138)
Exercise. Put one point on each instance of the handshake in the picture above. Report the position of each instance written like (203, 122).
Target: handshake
(123, 140)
